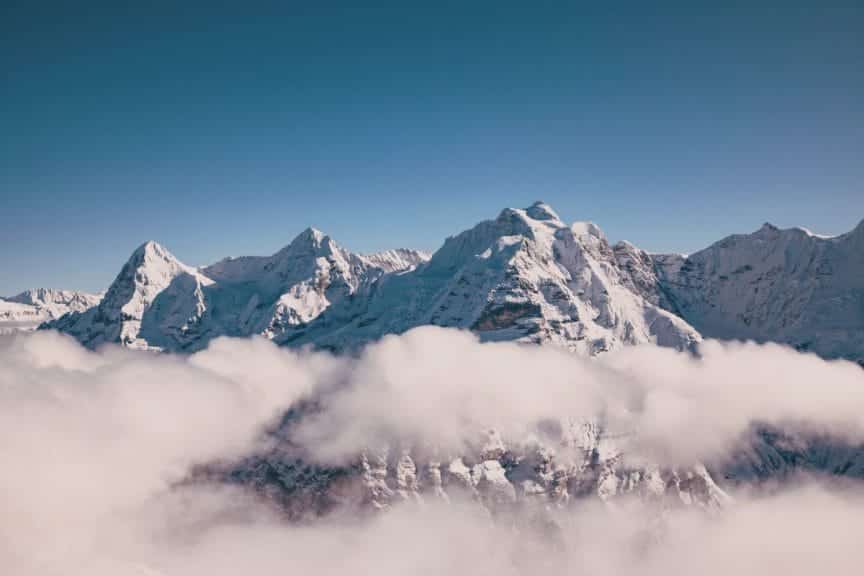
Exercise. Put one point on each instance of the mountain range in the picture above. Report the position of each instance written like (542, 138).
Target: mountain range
(29, 309)
(524, 276)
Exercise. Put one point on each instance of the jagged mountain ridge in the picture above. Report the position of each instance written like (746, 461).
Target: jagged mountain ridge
(157, 302)
(498, 474)
(787, 286)
(524, 276)
(27, 310)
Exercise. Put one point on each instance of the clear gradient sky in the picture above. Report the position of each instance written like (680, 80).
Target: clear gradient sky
(225, 128)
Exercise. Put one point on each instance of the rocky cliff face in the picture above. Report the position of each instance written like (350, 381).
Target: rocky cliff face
(499, 475)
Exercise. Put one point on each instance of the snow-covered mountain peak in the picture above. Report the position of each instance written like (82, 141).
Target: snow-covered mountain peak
(148, 273)
(587, 230)
(523, 276)
(48, 297)
(151, 266)
(770, 232)
(151, 252)
(538, 216)
(542, 211)
(308, 246)
(497, 239)
(517, 222)
(29, 309)
(159, 302)
(785, 285)
(308, 238)
(34, 296)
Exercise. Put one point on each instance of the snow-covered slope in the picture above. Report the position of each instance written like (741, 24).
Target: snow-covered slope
(398, 260)
(25, 311)
(157, 302)
(524, 276)
(787, 286)
(119, 317)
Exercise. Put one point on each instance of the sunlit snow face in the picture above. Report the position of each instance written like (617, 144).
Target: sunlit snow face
(92, 445)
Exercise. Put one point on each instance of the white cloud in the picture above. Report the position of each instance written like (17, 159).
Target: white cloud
(91, 444)
(85, 437)
(442, 387)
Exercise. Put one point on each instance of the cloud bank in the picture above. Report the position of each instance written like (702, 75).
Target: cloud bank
(92, 446)
(442, 387)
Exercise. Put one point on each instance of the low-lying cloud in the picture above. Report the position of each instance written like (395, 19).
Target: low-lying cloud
(443, 387)
(93, 444)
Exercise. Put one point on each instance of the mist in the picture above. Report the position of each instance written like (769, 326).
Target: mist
(96, 448)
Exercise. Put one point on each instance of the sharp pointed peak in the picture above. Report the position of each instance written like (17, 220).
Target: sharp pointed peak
(310, 239)
(312, 231)
(150, 246)
(309, 235)
(150, 251)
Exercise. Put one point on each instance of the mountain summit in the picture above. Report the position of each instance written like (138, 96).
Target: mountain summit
(157, 302)
(27, 310)
(524, 276)
(789, 286)
(149, 272)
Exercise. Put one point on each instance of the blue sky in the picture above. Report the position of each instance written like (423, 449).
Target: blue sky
(225, 128)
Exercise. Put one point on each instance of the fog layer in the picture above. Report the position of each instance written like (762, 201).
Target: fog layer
(93, 446)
